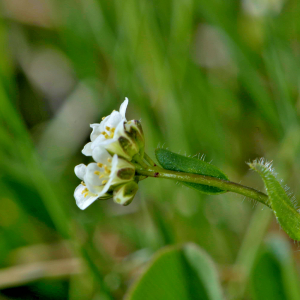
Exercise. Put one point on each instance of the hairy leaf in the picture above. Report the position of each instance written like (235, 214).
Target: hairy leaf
(176, 162)
(284, 210)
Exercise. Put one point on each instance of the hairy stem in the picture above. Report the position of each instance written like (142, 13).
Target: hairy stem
(206, 180)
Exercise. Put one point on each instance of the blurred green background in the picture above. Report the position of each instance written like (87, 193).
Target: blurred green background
(219, 78)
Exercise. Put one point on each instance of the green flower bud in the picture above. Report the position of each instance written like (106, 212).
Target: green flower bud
(135, 131)
(125, 193)
(128, 146)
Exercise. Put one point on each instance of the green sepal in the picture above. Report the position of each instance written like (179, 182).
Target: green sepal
(283, 208)
(126, 173)
(128, 147)
(106, 196)
(176, 162)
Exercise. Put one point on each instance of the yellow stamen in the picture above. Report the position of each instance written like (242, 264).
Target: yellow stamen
(97, 173)
(107, 172)
(84, 191)
(107, 128)
(113, 129)
(101, 176)
(109, 160)
(86, 194)
(104, 181)
(106, 135)
(99, 165)
(103, 132)
(103, 118)
(111, 135)
(83, 183)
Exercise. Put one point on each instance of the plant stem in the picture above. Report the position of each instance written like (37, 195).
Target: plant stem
(206, 180)
(140, 161)
(149, 160)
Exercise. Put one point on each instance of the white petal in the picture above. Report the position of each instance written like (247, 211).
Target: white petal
(108, 142)
(106, 186)
(87, 149)
(123, 108)
(98, 141)
(114, 169)
(81, 201)
(92, 180)
(96, 131)
(101, 155)
(80, 171)
(112, 120)
(120, 130)
(114, 164)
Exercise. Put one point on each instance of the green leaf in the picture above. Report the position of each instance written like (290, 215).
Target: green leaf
(203, 266)
(274, 274)
(176, 162)
(283, 252)
(183, 273)
(266, 278)
(284, 210)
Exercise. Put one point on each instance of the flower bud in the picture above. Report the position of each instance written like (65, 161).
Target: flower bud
(125, 193)
(135, 131)
(124, 146)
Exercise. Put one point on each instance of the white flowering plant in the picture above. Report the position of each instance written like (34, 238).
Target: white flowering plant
(114, 142)
(117, 147)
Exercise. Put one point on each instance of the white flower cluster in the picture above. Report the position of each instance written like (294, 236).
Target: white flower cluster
(114, 142)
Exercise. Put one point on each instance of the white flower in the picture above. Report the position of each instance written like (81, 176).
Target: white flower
(110, 127)
(99, 177)
(111, 134)
(109, 124)
(85, 198)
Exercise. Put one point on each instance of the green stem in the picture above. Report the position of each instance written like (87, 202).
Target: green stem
(140, 161)
(149, 160)
(206, 180)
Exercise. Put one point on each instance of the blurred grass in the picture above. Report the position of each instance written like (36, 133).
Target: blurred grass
(218, 78)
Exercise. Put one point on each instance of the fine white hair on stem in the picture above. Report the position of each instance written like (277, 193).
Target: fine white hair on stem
(269, 166)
